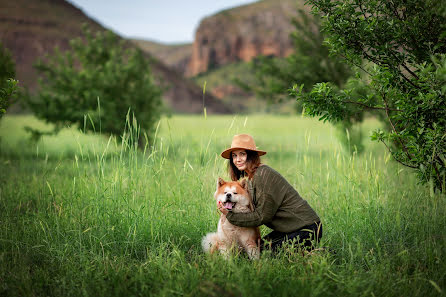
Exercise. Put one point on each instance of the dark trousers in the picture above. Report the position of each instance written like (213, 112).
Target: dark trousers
(305, 238)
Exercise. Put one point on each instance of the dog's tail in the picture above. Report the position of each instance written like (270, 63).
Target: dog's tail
(209, 242)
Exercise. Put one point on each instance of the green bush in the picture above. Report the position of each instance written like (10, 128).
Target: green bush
(95, 84)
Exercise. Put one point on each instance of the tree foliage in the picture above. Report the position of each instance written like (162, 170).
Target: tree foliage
(8, 86)
(400, 47)
(95, 83)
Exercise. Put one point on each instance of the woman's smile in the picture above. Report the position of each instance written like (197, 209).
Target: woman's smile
(241, 166)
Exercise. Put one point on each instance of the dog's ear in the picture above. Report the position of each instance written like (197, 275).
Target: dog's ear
(244, 184)
(220, 182)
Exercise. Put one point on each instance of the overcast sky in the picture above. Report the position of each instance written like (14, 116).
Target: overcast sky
(168, 21)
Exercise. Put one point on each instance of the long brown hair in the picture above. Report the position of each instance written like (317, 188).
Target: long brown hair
(252, 163)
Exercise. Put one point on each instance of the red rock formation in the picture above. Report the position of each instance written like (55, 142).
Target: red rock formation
(242, 33)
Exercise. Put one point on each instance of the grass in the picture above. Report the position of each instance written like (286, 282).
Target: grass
(83, 215)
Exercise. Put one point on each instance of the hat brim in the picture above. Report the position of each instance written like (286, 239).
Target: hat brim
(227, 153)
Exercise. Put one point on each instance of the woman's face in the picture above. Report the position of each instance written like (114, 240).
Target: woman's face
(239, 159)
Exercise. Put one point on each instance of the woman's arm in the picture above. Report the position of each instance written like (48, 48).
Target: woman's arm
(263, 213)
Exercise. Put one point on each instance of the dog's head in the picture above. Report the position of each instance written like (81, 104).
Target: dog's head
(233, 195)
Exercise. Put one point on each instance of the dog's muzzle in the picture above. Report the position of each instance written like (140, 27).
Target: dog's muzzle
(229, 204)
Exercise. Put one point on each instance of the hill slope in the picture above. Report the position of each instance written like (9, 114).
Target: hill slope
(176, 56)
(32, 28)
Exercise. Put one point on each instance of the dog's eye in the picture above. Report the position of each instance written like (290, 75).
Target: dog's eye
(235, 193)
(226, 192)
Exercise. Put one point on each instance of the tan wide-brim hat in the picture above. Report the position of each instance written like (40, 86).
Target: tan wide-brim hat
(242, 142)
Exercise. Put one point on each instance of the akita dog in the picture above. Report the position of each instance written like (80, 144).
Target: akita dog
(234, 196)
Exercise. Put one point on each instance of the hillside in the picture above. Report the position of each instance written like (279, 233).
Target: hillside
(32, 28)
(176, 56)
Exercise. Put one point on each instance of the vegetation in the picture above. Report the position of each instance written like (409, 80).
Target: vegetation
(8, 86)
(93, 217)
(403, 44)
(6, 93)
(95, 84)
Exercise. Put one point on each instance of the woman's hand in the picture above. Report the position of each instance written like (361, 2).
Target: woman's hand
(221, 208)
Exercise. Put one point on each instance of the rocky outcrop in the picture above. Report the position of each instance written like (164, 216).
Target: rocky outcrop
(242, 33)
(30, 29)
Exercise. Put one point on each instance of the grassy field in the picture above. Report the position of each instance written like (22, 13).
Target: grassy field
(82, 215)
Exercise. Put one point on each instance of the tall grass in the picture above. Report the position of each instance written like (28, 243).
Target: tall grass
(94, 216)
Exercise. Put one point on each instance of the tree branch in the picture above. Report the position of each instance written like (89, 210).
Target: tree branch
(378, 62)
(393, 127)
(390, 151)
(356, 64)
(410, 71)
(362, 10)
(369, 107)
(395, 11)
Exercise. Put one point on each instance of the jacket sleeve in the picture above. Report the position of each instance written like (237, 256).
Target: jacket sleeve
(263, 213)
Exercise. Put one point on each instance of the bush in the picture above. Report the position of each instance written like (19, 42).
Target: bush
(95, 84)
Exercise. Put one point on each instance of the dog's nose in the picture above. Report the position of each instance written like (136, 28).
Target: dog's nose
(228, 195)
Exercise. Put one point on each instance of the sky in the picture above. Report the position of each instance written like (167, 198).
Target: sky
(166, 21)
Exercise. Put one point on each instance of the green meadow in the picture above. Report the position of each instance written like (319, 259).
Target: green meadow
(88, 215)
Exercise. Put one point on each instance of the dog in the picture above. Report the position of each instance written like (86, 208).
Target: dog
(235, 197)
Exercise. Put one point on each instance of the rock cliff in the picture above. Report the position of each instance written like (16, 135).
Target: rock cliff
(242, 33)
(30, 29)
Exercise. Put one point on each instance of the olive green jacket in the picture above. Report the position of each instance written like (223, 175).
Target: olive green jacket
(276, 204)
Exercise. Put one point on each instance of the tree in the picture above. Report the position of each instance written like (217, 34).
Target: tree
(400, 47)
(8, 86)
(99, 78)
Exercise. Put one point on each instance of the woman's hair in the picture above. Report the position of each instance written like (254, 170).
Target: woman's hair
(252, 163)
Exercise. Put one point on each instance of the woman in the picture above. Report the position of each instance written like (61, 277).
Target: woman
(277, 204)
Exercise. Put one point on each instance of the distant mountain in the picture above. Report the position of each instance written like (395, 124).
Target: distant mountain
(32, 28)
(243, 33)
(176, 56)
